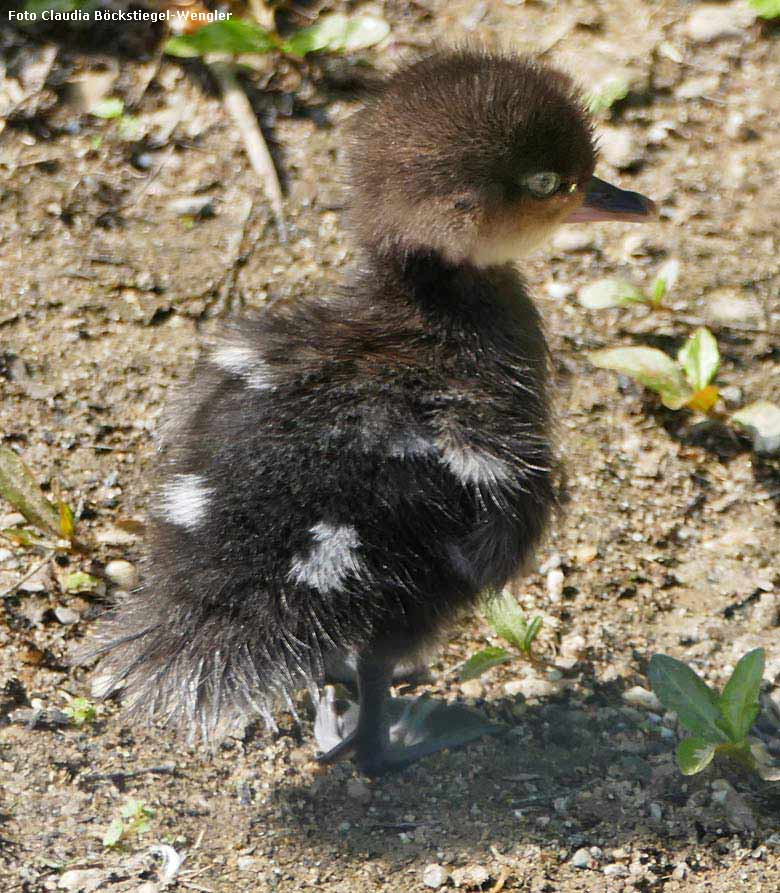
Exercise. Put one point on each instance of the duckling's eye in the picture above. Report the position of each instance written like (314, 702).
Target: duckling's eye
(543, 184)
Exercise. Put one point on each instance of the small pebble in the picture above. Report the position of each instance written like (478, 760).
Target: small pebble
(585, 554)
(555, 585)
(435, 876)
(122, 573)
(83, 880)
(192, 206)
(716, 21)
(11, 519)
(559, 290)
(615, 869)
(472, 876)
(551, 563)
(531, 688)
(641, 697)
(680, 871)
(582, 858)
(472, 688)
(66, 616)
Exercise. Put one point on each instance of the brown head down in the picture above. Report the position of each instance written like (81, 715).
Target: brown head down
(478, 157)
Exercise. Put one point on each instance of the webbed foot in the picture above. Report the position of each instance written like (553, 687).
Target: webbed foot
(416, 728)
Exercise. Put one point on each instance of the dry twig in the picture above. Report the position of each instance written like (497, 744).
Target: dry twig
(240, 111)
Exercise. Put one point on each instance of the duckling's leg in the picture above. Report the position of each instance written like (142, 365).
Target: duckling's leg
(389, 734)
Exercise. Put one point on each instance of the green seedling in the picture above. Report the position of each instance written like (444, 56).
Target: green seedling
(81, 711)
(21, 490)
(682, 383)
(109, 108)
(240, 37)
(133, 820)
(79, 581)
(509, 622)
(766, 9)
(616, 292)
(718, 723)
(612, 91)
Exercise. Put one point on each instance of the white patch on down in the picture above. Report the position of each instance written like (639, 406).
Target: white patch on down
(474, 466)
(331, 559)
(184, 500)
(245, 362)
(409, 446)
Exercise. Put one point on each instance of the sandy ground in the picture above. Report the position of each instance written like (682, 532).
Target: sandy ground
(669, 541)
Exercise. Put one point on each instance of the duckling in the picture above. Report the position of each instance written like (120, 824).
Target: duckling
(347, 474)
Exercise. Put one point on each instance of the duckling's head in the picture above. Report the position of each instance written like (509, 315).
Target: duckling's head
(478, 157)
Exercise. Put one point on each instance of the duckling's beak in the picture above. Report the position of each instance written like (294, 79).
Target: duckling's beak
(603, 201)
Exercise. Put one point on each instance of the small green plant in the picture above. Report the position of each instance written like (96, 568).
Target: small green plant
(509, 622)
(616, 292)
(81, 711)
(682, 383)
(718, 723)
(133, 820)
(766, 9)
(607, 94)
(238, 37)
(21, 490)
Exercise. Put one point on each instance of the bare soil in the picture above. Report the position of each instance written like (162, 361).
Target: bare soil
(669, 541)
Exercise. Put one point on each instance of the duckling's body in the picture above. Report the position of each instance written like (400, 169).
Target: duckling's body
(347, 474)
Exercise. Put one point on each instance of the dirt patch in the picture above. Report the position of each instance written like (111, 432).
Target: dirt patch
(669, 542)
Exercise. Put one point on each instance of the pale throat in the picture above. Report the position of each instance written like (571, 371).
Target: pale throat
(502, 246)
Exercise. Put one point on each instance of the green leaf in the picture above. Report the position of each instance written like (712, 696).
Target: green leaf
(23, 537)
(506, 617)
(531, 633)
(680, 689)
(664, 281)
(81, 711)
(110, 107)
(18, 486)
(482, 661)
(67, 521)
(113, 833)
(81, 582)
(739, 701)
(767, 9)
(650, 367)
(608, 94)
(694, 754)
(337, 33)
(762, 420)
(233, 36)
(133, 808)
(700, 358)
(611, 292)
